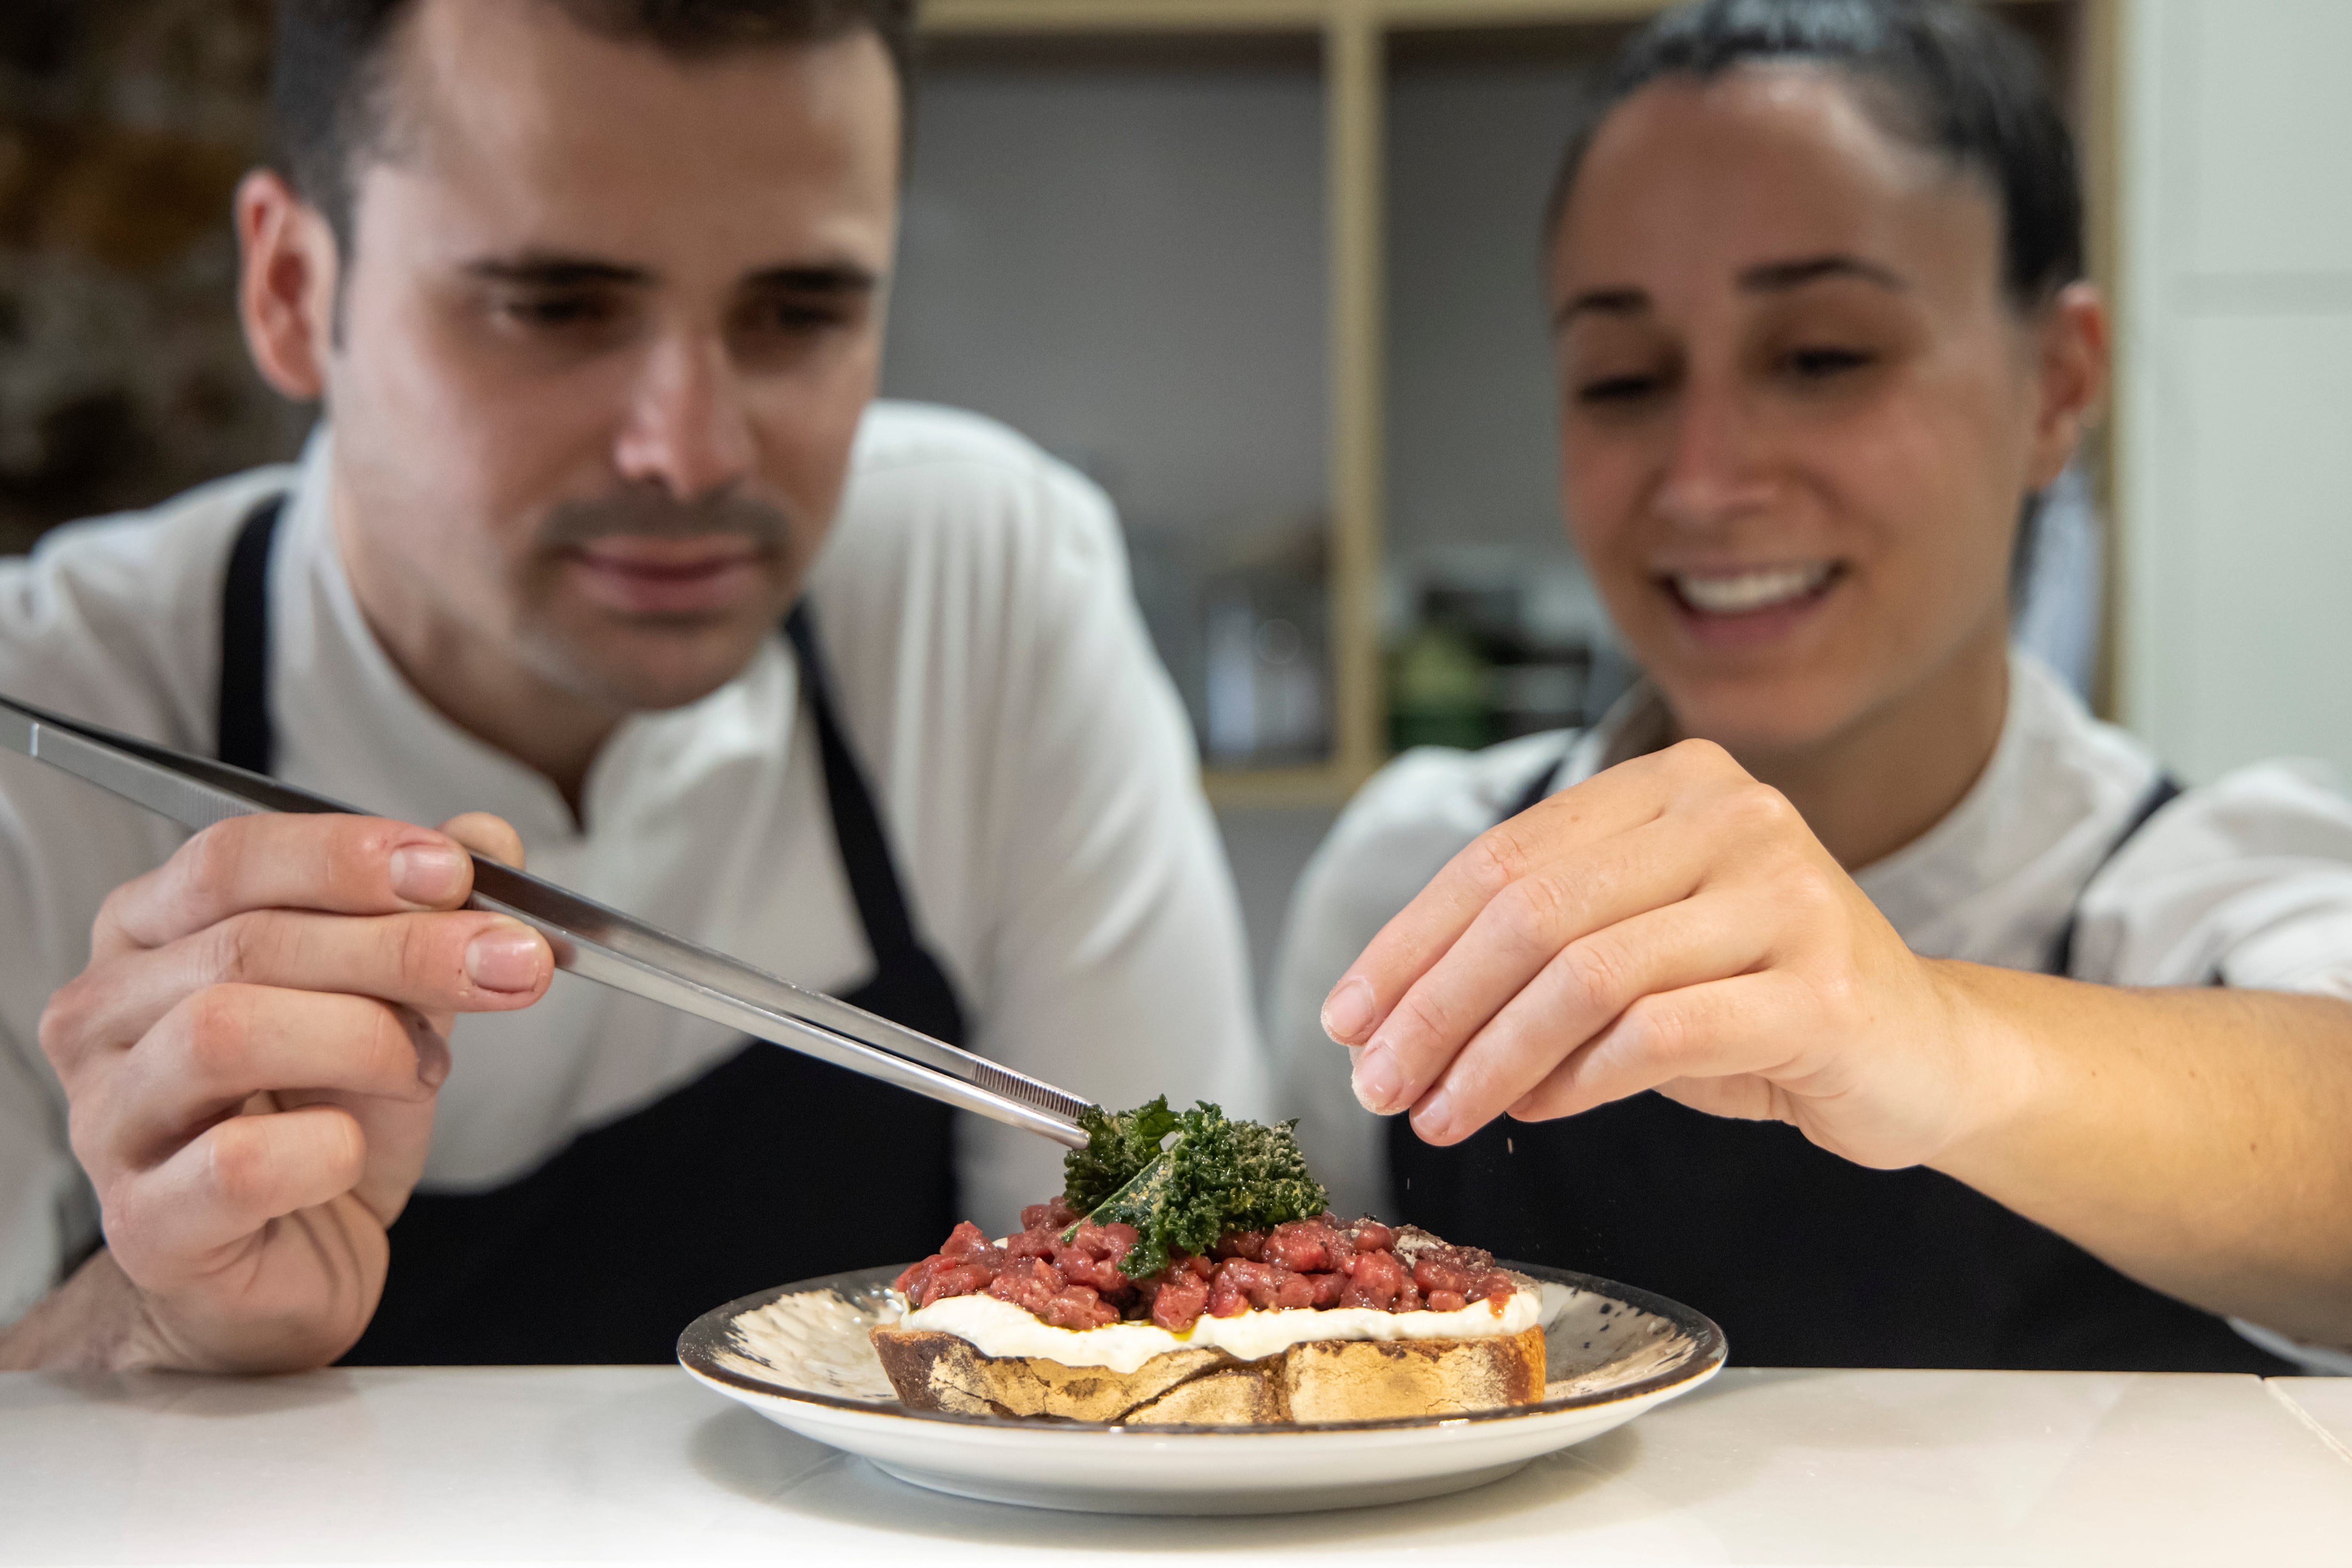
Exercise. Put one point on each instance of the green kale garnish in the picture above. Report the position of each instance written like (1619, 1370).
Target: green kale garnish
(1217, 1177)
(1117, 1148)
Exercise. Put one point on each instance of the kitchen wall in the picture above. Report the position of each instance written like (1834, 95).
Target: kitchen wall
(2236, 397)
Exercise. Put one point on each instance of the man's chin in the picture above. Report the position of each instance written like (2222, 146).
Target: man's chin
(651, 668)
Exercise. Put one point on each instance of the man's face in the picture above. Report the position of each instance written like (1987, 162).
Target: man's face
(609, 323)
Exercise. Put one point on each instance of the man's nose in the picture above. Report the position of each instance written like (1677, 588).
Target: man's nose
(1712, 472)
(688, 428)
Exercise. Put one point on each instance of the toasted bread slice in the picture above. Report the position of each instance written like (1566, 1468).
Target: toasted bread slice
(1321, 1380)
(1380, 1380)
(932, 1371)
(1247, 1394)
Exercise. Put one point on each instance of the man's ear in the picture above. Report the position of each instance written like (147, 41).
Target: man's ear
(2073, 377)
(286, 292)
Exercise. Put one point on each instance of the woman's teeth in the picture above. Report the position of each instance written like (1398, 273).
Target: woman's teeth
(1744, 593)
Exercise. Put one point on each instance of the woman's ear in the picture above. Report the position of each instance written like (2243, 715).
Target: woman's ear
(286, 292)
(2073, 377)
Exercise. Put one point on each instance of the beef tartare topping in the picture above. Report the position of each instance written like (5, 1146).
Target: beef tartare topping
(1317, 1264)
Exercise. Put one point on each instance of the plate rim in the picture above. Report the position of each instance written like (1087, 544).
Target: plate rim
(701, 1339)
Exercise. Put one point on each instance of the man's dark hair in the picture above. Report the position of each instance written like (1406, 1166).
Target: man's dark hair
(1939, 73)
(328, 83)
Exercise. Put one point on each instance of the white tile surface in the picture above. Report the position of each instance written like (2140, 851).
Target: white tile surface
(2324, 1402)
(609, 1465)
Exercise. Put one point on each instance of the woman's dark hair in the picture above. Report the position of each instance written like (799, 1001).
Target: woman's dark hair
(1939, 73)
(331, 73)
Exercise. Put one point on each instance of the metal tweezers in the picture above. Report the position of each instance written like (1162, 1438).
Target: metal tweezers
(589, 940)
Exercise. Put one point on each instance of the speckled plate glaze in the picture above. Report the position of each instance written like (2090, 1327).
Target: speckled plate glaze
(800, 1356)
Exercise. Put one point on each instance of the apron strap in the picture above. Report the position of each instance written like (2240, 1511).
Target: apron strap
(1539, 788)
(246, 737)
(871, 872)
(2159, 795)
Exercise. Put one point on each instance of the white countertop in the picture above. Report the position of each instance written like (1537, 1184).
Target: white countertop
(2325, 1402)
(639, 1464)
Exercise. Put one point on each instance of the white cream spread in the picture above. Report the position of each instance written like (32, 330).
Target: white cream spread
(999, 1328)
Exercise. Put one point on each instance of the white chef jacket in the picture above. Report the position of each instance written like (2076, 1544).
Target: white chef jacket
(2247, 881)
(1029, 758)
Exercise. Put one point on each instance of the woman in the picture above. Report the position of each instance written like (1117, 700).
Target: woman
(1972, 1046)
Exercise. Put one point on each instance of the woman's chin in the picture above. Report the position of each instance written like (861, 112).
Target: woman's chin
(1759, 715)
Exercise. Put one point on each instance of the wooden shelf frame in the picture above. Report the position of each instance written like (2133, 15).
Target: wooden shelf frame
(1354, 37)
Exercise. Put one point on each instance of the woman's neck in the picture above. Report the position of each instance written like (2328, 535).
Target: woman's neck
(1898, 770)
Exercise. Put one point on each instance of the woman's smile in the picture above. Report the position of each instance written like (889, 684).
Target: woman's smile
(1746, 605)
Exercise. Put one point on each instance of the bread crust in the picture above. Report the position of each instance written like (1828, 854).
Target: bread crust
(1321, 1380)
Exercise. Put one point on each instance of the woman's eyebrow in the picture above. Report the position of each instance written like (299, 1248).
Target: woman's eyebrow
(1612, 301)
(1773, 277)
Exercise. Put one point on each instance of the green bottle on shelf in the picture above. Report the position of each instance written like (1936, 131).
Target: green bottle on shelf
(1441, 691)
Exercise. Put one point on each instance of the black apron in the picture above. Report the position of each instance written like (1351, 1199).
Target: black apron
(770, 1167)
(1804, 1258)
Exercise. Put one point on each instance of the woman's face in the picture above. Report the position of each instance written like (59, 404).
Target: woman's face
(1798, 412)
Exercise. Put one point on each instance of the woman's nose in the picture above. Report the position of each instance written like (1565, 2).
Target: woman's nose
(688, 428)
(1711, 475)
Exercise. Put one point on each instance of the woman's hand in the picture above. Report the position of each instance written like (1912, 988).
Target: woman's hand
(1669, 925)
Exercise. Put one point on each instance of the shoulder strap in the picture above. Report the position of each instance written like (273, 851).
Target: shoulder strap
(1539, 788)
(245, 737)
(865, 853)
(2159, 795)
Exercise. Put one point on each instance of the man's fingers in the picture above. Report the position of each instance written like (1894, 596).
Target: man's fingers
(224, 1045)
(1700, 1032)
(1586, 986)
(228, 1184)
(1521, 932)
(464, 962)
(334, 865)
(492, 838)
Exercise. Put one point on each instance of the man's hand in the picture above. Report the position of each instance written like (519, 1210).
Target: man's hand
(1670, 924)
(251, 1059)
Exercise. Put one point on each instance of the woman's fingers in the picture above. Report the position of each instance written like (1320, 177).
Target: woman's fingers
(1703, 1039)
(225, 1185)
(1434, 921)
(1522, 932)
(1609, 804)
(226, 1044)
(1588, 986)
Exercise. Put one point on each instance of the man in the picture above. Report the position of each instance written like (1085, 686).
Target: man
(592, 292)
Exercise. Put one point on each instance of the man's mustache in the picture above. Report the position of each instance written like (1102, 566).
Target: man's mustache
(650, 514)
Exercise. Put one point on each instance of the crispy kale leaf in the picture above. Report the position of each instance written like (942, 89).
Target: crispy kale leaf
(1117, 1146)
(1217, 1177)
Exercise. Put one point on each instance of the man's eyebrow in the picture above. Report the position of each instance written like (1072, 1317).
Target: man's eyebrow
(835, 277)
(558, 272)
(1772, 276)
(1616, 302)
(577, 272)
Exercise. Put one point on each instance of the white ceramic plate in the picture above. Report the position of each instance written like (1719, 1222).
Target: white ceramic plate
(799, 1355)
